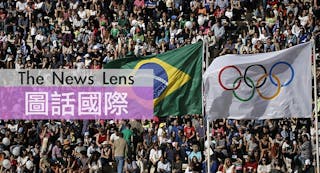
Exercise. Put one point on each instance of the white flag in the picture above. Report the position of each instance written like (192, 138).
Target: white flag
(260, 86)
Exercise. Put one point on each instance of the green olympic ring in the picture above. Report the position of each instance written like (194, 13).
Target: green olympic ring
(252, 92)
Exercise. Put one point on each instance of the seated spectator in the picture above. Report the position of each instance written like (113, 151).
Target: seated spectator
(193, 166)
(177, 165)
(278, 166)
(130, 166)
(220, 147)
(305, 150)
(94, 163)
(195, 153)
(155, 155)
(163, 165)
(264, 166)
(227, 166)
(250, 165)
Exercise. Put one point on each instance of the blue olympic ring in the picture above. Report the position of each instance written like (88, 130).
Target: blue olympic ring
(291, 78)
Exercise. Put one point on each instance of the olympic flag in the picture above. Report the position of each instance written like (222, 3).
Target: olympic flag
(260, 86)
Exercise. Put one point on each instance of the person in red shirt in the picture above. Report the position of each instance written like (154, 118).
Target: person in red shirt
(95, 65)
(101, 137)
(189, 131)
(250, 165)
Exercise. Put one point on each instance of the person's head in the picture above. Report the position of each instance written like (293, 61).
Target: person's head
(156, 146)
(19, 61)
(194, 159)
(264, 161)
(128, 126)
(139, 146)
(129, 160)
(277, 161)
(120, 135)
(162, 159)
(265, 137)
(305, 137)
(227, 162)
(195, 148)
(188, 124)
(58, 143)
(218, 135)
(177, 157)
(278, 136)
(239, 41)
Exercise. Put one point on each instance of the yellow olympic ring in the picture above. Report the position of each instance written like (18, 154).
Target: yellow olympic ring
(278, 87)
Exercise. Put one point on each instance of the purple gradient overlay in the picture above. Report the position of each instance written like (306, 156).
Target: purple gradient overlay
(13, 103)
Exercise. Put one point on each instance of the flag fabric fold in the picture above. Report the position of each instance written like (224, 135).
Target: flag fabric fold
(260, 86)
(177, 79)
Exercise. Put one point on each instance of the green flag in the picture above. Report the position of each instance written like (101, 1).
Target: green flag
(177, 79)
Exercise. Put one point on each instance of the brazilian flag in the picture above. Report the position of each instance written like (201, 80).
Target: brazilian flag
(177, 79)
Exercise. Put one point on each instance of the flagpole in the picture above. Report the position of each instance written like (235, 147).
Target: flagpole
(206, 53)
(315, 103)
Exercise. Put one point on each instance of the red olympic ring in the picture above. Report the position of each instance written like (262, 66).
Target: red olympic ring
(220, 82)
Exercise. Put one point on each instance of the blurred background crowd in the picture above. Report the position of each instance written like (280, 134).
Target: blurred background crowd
(85, 34)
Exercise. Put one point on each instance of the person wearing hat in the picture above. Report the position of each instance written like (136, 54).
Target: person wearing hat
(87, 139)
(106, 153)
(79, 147)
(66, 146)
(161, 129)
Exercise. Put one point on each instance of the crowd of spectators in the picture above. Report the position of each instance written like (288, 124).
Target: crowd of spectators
(78, 34)
(163, 146)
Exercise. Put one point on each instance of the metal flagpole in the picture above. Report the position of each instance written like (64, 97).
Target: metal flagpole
(205, 118)
(315, 103)
(208, 123)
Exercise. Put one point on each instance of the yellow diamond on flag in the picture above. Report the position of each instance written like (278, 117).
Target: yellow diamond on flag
(167, 78)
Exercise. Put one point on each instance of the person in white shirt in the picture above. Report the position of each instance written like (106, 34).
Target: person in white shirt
(303, 18)
(114, 136)
(296, 28)
(94, 164)
(155, 155)
(21, 6)
(163, 166)
(92, 148)
(82, 13)
(74, 4)
(264, 167)
(13, 127)
(40, 37)
(38, 5)
(130, 166)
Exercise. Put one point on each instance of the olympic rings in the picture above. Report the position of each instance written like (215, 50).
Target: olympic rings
(292, 73)
(260, 82)
(245, 75)
(278, 88)
(234, 91)
(220, 82)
